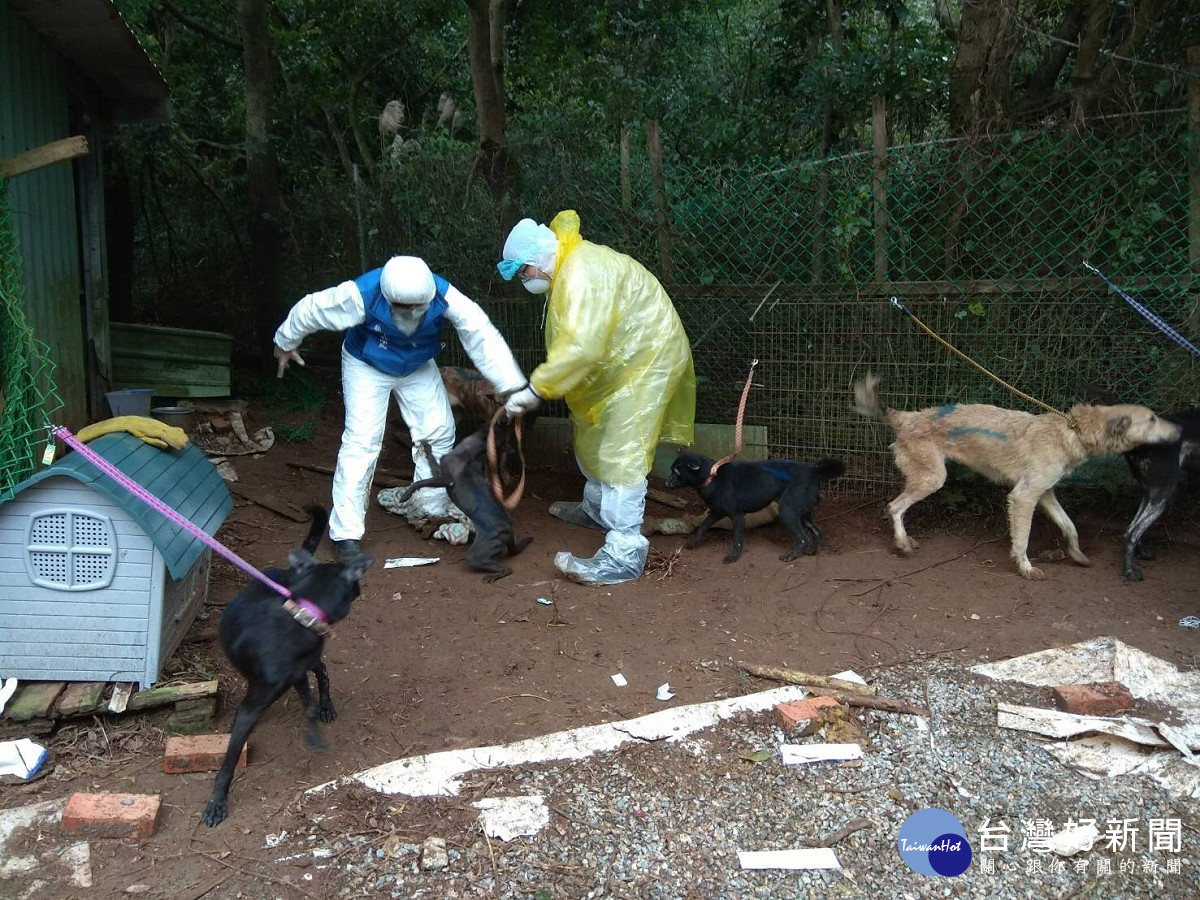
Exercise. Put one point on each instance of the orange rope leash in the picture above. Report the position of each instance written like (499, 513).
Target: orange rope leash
(510, 502)
(737, 434)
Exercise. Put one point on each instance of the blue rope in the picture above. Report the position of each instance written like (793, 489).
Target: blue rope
(1148, 314)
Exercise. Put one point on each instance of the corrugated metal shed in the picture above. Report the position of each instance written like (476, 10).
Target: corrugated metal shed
(68, 67)
(183, 479)
(34, 111)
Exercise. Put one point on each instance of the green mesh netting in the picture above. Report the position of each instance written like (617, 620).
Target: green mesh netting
(27, 393)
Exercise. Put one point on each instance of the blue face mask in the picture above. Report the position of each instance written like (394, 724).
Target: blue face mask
(508, 268)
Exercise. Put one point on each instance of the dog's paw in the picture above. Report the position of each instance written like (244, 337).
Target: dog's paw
(326, 713)
(789, 556)
(1133, 573)
(693, 542)
(731, 557)
(215, 813)
(316, 743)
(1033, 573)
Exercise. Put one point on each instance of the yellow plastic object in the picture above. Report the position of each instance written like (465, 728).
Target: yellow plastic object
(617, 352)
(152, 431)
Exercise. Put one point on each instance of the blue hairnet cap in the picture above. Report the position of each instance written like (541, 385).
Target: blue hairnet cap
(508, 268)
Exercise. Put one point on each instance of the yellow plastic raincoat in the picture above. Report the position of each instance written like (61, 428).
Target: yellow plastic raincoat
(617, 352)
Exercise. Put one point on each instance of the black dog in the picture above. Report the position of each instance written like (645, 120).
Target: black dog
(744, 487)
(463, 472)
(1157, 469)
(275, 649)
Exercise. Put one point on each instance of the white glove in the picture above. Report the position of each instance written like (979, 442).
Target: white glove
(523, 401)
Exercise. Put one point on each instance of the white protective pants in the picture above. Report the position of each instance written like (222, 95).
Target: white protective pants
(424, 407)
(619, 509)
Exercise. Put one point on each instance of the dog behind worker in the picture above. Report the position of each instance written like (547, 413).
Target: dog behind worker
(1028, 453)
(466, 474)
(740, 487)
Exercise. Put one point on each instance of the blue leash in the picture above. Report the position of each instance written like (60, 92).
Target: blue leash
(1148, 314)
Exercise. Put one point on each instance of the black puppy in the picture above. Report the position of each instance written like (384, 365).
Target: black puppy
(463, 472)
(275, 648)
(1157, 469)
(744, 487)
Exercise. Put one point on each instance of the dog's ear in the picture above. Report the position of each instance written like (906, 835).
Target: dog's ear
(357, 567)
(301, 561)
(1118, 426)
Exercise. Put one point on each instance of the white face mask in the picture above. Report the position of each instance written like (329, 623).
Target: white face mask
(537, 285)
(407, 318)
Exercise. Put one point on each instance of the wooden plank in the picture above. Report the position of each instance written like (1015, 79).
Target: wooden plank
(665, 499)
(81, 698)
(266, 501)
(45, 155)
(10, 730)
(33, 700)
(172, 694)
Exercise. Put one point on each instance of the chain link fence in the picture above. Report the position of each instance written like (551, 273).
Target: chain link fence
(27, 394)
(793, 264)
(984, 241)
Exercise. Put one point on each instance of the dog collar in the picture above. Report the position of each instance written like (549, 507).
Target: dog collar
(307, 614)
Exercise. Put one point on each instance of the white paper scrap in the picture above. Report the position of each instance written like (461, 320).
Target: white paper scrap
(801, 858)
(22, 758)
(409, 561)
(664, 692)
(619, 680)
(807, 753)
(506, 818)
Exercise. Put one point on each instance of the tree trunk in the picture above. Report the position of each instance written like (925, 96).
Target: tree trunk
(264, 309)
(979, 72)
(1040, 96)
(485, 44)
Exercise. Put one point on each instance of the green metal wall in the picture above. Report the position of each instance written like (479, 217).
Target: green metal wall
(34, 111)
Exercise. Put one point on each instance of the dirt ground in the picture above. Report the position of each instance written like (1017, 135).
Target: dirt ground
(432, 658)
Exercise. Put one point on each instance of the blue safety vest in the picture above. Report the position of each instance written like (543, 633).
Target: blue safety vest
(379, 343)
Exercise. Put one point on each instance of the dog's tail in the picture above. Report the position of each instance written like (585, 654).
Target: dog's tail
(866, 398)
(320, 519)
(829, 468)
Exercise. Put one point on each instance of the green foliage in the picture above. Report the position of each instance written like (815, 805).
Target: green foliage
(292, 393)
(295, 434)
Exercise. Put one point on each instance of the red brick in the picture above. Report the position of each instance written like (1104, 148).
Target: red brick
(802, 716)
(198, 753)
(111, 815)
(1104, 699)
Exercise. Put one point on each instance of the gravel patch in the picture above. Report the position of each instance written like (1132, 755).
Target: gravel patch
(666, 819)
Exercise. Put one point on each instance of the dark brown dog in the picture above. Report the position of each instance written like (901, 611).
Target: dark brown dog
(472, 397)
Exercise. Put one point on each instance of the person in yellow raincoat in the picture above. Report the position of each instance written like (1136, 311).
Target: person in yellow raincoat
(617, 352)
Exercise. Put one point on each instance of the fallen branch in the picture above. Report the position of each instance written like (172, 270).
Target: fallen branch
(845, 831)
(887, 704)
(793, 676)
(396, 479)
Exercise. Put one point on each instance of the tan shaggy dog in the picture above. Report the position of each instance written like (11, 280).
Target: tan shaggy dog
(1028, 453)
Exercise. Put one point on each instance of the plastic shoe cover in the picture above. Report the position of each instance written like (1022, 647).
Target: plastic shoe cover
(622, 558)
(572, 513)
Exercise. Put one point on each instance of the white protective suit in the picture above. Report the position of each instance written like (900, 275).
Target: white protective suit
(617, 352)
(420, 395)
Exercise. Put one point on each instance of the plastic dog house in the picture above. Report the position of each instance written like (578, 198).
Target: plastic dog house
(95, 585)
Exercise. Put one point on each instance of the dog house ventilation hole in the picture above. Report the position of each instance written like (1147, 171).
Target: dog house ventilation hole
(71, 551)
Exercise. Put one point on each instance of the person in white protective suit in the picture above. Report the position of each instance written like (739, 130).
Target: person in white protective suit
(393, 317)
(617, 352)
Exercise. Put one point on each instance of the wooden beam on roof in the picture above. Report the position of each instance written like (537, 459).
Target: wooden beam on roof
(45, 155)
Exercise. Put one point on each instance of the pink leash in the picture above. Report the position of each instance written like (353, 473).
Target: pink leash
(148, 498)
